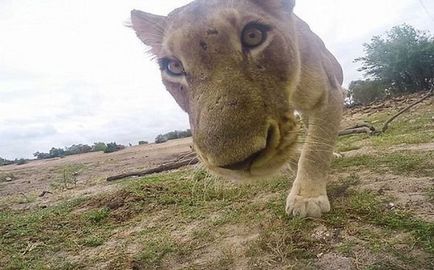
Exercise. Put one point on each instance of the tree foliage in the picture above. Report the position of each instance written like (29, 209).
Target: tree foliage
(77, 149)
(403, 59)
(177, 134)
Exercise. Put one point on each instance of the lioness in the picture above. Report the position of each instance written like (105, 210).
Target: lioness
(240, 68)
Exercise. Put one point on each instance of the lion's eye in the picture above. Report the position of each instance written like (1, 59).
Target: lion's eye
(171, 66)
(254, 34)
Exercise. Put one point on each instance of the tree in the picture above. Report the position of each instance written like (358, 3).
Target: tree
(403, 59)
(99, 147)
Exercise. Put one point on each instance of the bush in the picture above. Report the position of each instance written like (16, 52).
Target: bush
(113, 147)
(39, 155)
(99, 147)
(143, 143)
(20, 161)
(161, 139)
(365, 92)
(4, 162)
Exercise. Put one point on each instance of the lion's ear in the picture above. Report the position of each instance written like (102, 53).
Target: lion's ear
(287, 5)
(149, 29)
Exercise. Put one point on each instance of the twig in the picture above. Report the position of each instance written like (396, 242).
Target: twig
(24, 195)
(386, 125)
(45, 193)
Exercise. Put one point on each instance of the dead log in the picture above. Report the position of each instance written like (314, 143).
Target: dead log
(159, 169)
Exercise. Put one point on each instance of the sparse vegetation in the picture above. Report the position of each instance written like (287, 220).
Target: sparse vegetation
(67, 177)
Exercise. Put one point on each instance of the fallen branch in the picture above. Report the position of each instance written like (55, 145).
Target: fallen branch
(359, 129)
(386, 125)
(162, 168)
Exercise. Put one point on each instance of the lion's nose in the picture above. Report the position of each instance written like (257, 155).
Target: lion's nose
(271, 136)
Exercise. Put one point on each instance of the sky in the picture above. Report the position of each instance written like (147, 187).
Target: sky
(71, 72)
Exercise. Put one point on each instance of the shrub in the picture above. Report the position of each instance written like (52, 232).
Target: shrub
(4, 161)
(113, 147)
(143, 142)
(365, 92)
(99, 147)
(20, 161)
(161, 139)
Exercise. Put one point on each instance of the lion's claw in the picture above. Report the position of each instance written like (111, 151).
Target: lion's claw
(307, 206)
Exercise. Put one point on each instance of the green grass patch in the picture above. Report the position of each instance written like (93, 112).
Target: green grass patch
(368, 208)
(97, 216)
(407, 163)
(389, 139)
(93, 241)
(156, 245)
(351, 142)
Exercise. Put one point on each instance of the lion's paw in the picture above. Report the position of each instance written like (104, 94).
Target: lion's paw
(307, 206)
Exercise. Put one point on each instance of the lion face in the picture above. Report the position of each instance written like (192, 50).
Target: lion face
(232, 66)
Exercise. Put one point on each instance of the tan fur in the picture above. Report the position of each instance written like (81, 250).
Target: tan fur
(241, 103)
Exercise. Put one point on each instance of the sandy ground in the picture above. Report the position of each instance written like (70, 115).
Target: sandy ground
(38, 176)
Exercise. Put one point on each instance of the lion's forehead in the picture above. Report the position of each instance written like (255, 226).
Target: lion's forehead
(190, 26)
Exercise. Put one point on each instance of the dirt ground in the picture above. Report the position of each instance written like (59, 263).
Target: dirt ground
(93, 168)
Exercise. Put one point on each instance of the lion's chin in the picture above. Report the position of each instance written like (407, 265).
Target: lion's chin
(263, 167)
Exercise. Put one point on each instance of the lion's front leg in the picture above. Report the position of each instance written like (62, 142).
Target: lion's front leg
(308, 196)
